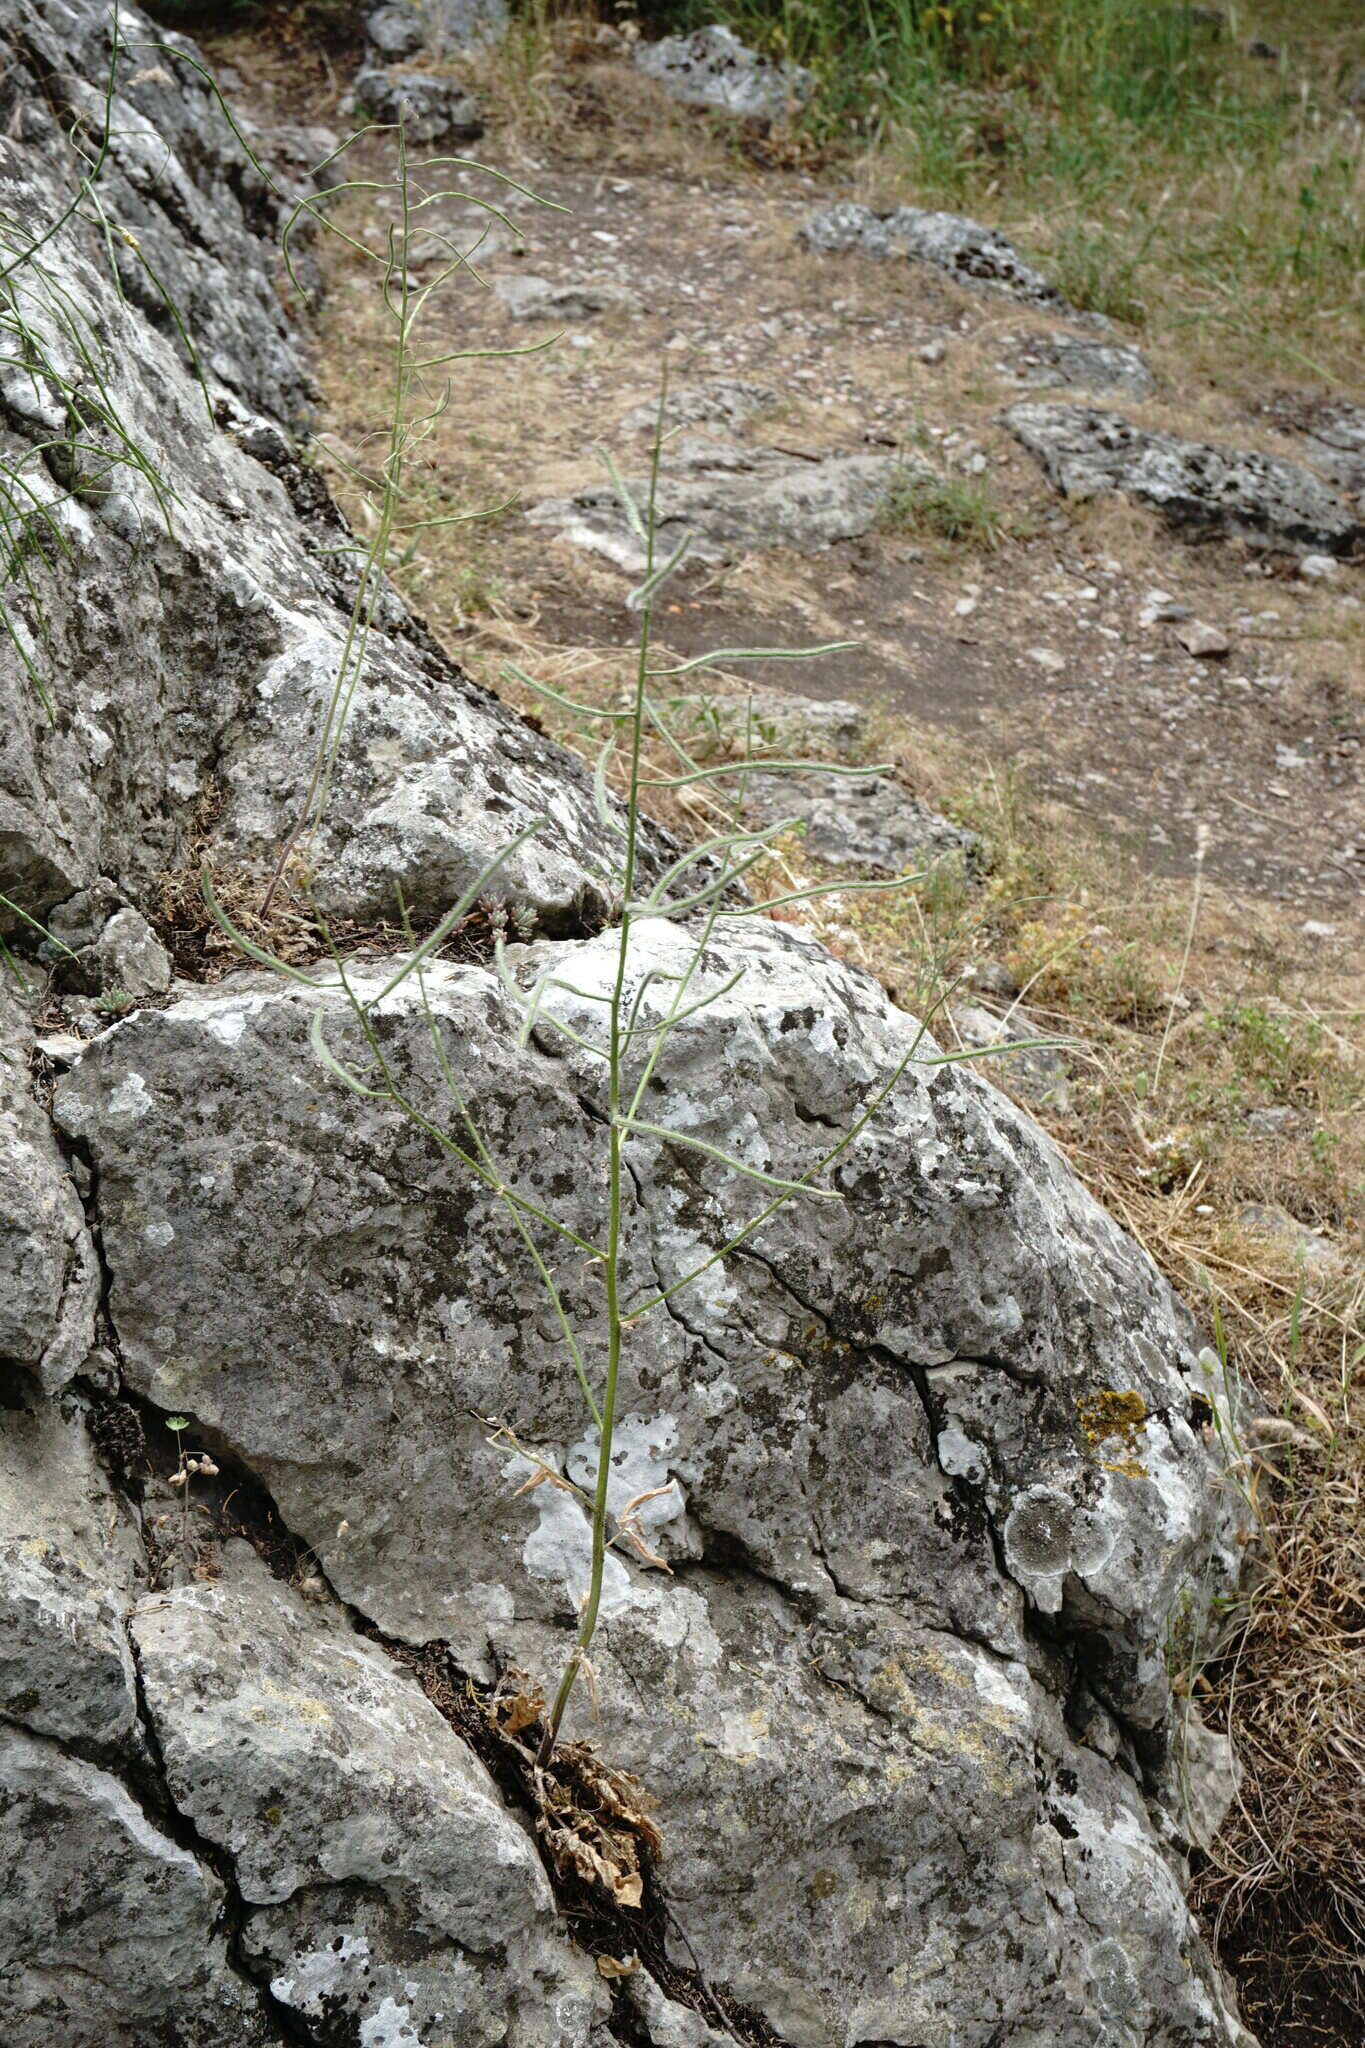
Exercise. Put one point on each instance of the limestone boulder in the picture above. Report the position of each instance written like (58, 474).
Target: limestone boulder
(112, 1929)
(445, 28)
(1086, 453)
(966, 250)
(712, 68)
(941, 1485)
(49, 1273)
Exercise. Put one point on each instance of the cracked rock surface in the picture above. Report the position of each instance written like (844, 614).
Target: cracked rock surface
(731, 499)
(949, 241)
(1263, 497)
(906, 1545)
(194, 634)
(377, 1863)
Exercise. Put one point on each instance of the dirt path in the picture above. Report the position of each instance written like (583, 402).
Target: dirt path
(1040, 651)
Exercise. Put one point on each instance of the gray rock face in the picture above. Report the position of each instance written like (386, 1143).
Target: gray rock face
(713, 68)
(536, 298)
(432, 108)
(732, 500)
(193, 643)
(849, 1701)
(126, 958)
(1075, 361)
(400, 28)
(111, 1929)
(1234, 490)
(49, 1275)
(69, 1554)
(384, 1877)
(861, 822)
(967, 251)
(1040, 1074)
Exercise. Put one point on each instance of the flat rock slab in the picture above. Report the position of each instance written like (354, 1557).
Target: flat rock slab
(732, 500)
(719, 402)
(1200, 488)
(860, 823)
(1075, 361)
(713, 68)
(964, 248)
(768, 721)
(536, 298)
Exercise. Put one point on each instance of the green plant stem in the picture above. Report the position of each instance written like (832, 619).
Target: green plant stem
(619, 1040)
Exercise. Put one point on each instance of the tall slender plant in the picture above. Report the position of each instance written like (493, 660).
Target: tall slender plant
(699, 888)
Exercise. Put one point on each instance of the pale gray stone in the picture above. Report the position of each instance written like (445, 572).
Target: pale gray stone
(713, 68)
(70, 1562)
(964, 248)
(49, 1274)
(1235, 490)
(379, 1863)
(447, 28)
(1202, 1778)
(719, 402)
(110, 1932)
(1085, 364)
(732, 500)
(432, 106)
(1040, 1074)
(1336, 444)
(1320, 1260)
(861, 822)
(127, 960)
(958, 1311)
(1203, 640)
(191, 657)
(767, 721)
(536, 298)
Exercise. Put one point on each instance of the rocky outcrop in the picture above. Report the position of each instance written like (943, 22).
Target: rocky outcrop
(1194, 486)
(193, 610)
(49, 1276)
(867, 824)
(443, 28)
(933, 1465)
(431, 106)
(1077, 362)
(1029, 1539)
(967, 251)
(712, 68)
(731, 500)
(386, 1885)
